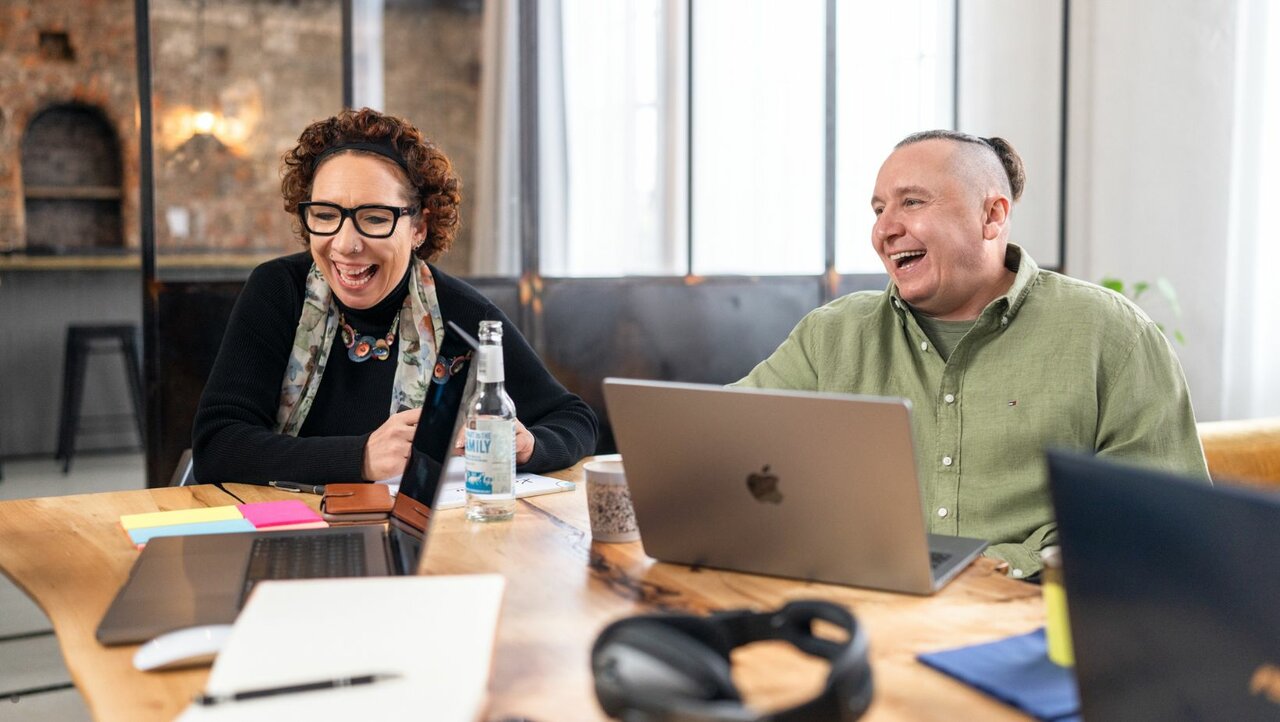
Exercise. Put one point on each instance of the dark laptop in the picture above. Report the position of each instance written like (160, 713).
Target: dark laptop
(181, 582)
(1172, 591)
(816, 486)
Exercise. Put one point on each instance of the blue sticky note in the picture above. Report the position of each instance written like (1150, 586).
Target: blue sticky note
(1016, 671)
(225, 526)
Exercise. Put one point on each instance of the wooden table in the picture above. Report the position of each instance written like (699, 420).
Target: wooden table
(69, 554)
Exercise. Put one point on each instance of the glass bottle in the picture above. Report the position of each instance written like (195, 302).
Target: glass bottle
(490, 435)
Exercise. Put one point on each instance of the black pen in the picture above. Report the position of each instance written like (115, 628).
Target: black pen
(295, 487)
(206, 700)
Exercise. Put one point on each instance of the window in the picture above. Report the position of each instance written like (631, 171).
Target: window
(754, 142)
(620, 196)
(1266, 386)
(894, 76)
(758, 144)
(1251, 386)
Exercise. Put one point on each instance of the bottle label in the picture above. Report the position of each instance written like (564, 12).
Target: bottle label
(489, 365)
(491, 457)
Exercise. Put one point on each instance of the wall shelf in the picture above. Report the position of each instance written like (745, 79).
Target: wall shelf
(72, 179)
(73, 193)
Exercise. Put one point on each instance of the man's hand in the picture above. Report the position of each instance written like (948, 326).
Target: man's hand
(524, 442)
(388, 446)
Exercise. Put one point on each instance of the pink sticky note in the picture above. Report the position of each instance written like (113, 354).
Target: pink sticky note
(266, 514)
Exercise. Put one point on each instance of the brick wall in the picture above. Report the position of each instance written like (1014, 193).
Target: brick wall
(87, 57)
(432, 78)
(266, 69)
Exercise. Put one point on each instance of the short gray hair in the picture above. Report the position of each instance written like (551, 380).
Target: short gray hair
(1003, 150)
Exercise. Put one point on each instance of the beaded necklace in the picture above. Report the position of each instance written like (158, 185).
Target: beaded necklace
(361, 348)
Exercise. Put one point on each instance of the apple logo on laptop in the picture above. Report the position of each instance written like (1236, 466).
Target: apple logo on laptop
(764, 486)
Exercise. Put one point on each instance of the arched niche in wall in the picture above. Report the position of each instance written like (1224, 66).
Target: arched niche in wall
(71, 178)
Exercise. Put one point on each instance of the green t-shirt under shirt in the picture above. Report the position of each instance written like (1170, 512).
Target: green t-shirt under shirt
(945, 335)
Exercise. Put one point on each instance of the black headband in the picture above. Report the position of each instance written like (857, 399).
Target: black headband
(381, 146)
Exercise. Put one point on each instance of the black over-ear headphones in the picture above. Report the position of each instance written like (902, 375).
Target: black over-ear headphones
(673, 668)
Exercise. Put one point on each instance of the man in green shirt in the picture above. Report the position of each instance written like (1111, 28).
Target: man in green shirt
(999, 358)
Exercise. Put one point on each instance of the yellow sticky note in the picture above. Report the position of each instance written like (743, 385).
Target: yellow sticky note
(180, 516)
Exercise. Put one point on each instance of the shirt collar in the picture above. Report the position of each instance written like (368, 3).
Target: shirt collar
(1015, 259)
(1026, 271)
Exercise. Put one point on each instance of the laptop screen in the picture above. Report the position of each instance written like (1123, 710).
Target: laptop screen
(452, 381)
(1171, 595)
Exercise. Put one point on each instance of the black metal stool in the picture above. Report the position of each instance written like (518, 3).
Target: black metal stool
(83, 340)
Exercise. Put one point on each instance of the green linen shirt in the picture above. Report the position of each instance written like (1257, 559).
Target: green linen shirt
(1055, 362)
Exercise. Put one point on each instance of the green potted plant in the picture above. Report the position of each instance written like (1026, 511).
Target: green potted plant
(1135, 292)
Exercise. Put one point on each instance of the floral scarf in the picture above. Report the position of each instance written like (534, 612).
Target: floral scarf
(421, 327)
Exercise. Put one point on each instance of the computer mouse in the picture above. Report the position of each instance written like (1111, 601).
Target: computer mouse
(188, 647)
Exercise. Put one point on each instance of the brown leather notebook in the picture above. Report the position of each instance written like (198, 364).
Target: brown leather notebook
(356, 502)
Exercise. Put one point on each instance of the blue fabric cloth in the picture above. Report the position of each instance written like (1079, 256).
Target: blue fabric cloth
(1016, 671)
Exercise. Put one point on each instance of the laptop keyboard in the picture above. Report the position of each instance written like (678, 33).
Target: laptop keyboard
(313, 556)
(937, 559)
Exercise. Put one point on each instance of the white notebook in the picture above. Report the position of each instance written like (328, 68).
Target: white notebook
(454, 493)
(436, 632)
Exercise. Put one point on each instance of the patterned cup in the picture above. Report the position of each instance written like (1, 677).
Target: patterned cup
(609, 502)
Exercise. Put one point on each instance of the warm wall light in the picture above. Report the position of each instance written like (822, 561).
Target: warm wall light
(203, 122)
(225, 109)
(234, 130)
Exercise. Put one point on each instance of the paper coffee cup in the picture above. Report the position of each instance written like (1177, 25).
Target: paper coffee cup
(609, 502)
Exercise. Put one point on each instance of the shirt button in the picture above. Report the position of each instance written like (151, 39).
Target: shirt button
(942, 511)
(949, 398)
(946, 461)
(1017, 573)
(1004, 320)
(924, 345)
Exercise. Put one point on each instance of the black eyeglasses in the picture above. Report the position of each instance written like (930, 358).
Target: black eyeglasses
(372, 221)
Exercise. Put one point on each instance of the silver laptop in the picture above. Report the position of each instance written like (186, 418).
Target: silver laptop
(814, 486)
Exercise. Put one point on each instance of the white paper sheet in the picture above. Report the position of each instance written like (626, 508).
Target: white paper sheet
(437, 632)
(454, 494)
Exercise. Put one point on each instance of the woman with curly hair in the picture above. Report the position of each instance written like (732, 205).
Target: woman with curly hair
(329, 352)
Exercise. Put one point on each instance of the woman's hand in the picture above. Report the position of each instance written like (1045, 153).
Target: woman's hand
(524, 442)
(388, 446)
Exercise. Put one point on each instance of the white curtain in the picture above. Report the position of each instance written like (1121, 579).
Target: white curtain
(611, 129)
(553, 162)
(368, 87)
(1252, 344)
(496, 241)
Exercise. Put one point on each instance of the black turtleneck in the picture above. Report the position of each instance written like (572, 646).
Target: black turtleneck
(234, 436)
(332, 413)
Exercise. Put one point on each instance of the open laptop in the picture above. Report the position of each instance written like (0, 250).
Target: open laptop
(814, 486)
(1172, 593)
(181, 582)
